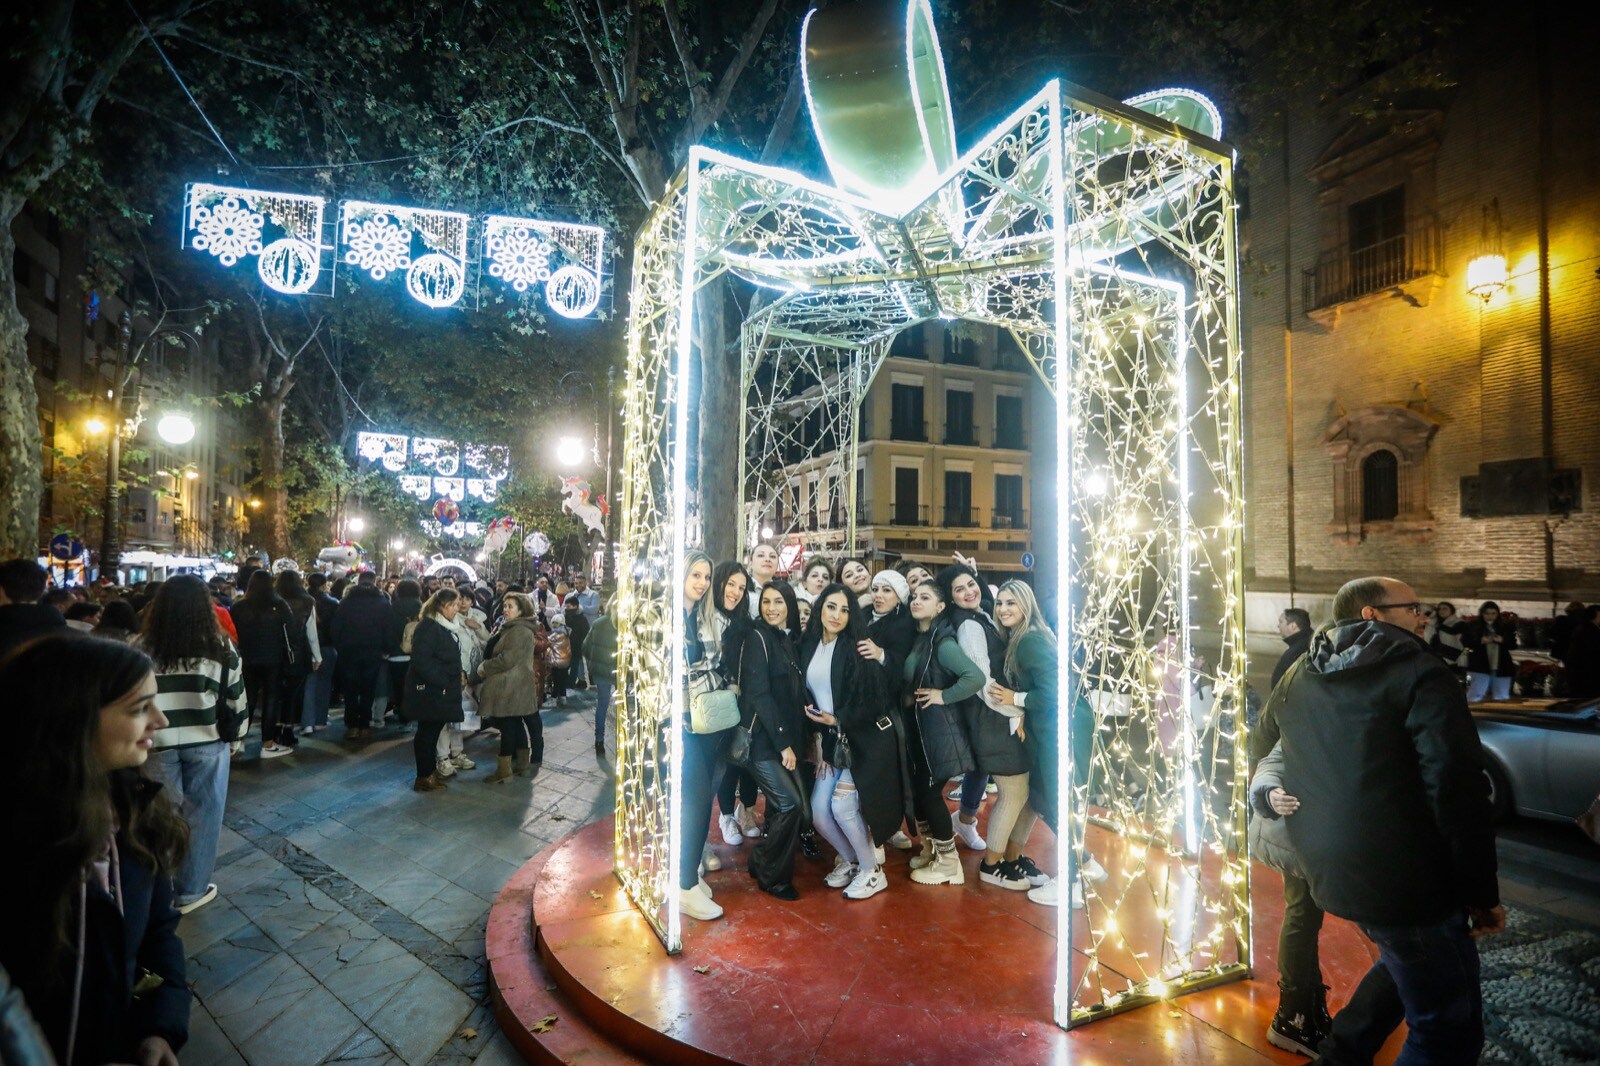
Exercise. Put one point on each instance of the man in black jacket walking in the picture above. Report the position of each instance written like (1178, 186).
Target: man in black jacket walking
(1294, 626)
(360, 631)
(1394, 830)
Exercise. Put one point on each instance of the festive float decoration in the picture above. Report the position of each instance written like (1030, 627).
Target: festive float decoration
(577, 499)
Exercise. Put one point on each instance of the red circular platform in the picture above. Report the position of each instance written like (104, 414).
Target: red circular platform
(916, 974)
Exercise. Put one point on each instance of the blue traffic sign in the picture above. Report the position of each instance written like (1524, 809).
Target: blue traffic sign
(1027, 560)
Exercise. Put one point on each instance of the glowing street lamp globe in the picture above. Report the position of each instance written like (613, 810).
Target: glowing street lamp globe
(95, 426)
(569, 451)
(356, 524)
(176, 429)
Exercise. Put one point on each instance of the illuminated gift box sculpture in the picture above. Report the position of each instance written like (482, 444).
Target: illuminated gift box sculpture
(1099, 235)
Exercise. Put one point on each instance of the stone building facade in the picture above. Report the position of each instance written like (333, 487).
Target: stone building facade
(1398, 423)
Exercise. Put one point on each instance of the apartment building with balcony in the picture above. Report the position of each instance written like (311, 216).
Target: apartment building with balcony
(947, 438)
(184, 499)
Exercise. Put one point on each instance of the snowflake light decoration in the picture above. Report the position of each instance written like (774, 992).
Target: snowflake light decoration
(518, 257)
(377, 245)
(228, 230)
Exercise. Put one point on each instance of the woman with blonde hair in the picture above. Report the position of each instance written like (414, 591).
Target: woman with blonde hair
(703, 628)
(1031, 668)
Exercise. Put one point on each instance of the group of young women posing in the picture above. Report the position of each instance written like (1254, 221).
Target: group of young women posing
(893, 685)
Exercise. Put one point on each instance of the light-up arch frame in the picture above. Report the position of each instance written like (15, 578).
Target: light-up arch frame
(1102, 237)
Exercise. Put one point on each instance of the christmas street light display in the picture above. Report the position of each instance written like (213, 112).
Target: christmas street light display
(431, 248)
(1100, 236)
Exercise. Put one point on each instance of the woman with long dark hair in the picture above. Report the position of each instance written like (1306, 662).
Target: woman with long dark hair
(854, 575)
(736, 794)
(265, 625)
(938, 680)
(406, 609)
(90, 933)
(305, 641)
(200, 691)
(772, 710)
(434, 679)
(859, 794)
(119, 621)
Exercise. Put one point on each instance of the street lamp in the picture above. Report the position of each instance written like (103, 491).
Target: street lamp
(95, 426)
(176, 428)
(397, 544)
(190, 474)
(569, 451)
(356, 524)
(255, 505)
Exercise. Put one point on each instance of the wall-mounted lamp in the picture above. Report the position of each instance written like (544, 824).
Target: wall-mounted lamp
(1486, 273)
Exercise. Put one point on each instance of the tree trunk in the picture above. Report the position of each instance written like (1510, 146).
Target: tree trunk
(720, 405)
(274, 513)
(21, 468)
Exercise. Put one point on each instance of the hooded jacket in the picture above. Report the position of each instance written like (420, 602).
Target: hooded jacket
(1394, 827)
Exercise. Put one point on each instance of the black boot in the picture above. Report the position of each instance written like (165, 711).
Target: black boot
(809, 846)
(1294, 1027)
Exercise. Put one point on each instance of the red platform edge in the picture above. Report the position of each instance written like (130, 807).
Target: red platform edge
(531, 982)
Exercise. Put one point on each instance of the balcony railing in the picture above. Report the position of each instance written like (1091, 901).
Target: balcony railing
(1012, 438)
(908, 514)
(963, 435)
(1349, 273)
(956, 517)
(1008, 520)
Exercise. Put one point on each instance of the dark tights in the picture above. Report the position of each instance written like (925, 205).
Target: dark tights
(522, 733)
(736, 780)
(423, 744)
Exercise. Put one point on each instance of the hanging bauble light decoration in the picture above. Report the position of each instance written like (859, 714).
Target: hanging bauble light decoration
(289, 265)
(436, 280)
(572, 292)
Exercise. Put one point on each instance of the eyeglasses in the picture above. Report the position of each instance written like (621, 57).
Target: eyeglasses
(1414, 608)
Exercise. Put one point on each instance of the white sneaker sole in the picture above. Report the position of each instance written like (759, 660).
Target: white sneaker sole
(1001, 882)
(1278, 1040)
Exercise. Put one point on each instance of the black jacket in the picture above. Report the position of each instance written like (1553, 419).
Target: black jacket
(1478, 651)
(433, 681)
(772, 694)
(326, 605)
(143, 937)
(265, 627)
(403, 610)
(940, 745)
(1394, 826)
(360, 626)
(1298, 643)
(1583, 661)
(865, 716)
(22, 622)
(896, 634)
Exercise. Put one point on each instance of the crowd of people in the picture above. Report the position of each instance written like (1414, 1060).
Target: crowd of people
(841, 704)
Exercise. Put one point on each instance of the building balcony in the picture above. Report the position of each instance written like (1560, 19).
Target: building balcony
(965, 436)
(1011, 519)
(1409, 264)
(906, 430)
(956, 517)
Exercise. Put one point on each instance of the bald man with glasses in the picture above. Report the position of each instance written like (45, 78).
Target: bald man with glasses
(1393, 828)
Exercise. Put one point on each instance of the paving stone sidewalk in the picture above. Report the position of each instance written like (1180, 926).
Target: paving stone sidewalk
(351, 918)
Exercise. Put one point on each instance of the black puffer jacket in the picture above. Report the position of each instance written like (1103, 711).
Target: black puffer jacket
(264, 627)
(939, 744)
(360, 626)
(1394, 826)
(995, 748)
(1478, 652)
(433, 682)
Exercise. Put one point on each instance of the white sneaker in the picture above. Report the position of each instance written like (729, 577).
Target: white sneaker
(275, 751)
(193, 905)
(843, 872)
(1077, 897)
(867, 883)
(732, 835)
(461, 762)
(900, 840)
(747, 822)
(1093, 871)
(877, 854)
(1046, 895)
(444, 768)
(709, 860)
(702, 886)
(967, 833)
(696, 904)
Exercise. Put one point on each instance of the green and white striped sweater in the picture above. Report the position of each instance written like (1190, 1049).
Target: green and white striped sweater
(190, 698)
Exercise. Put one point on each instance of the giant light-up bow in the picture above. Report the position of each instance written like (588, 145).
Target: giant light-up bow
(1100, 236)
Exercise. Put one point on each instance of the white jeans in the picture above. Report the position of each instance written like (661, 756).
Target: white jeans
(451, 743)
(1481, 685)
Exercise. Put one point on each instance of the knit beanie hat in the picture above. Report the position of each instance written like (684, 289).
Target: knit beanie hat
(895, 580)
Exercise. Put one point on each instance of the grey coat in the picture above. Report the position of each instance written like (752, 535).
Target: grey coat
(509, 678)
(1269, 831)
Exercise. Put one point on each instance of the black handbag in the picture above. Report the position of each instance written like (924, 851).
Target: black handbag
(841, 752)
(743, 740)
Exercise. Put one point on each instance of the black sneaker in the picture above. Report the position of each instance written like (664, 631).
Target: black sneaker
(1294, 1032)
(1004, 874)
(1026, 867)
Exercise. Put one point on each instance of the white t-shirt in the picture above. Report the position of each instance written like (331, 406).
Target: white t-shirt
(819, 676)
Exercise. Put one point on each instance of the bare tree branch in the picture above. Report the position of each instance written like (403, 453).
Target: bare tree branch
(707, 112)
(693, 76)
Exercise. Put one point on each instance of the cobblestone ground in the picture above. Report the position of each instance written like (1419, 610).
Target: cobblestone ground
(351, 917)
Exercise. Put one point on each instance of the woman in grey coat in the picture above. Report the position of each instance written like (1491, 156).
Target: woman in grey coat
(510, 687)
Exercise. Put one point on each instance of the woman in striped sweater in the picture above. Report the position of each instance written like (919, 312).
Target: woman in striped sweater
(200, 689)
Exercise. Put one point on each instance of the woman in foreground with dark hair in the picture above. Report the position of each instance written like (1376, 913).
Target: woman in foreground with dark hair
(90, 933)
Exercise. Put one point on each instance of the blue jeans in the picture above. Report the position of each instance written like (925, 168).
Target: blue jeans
(602, 703)
(1490, 686)
(319, 690)
(198, 778)
(702, 768)
(973, 787)
(1434, 970)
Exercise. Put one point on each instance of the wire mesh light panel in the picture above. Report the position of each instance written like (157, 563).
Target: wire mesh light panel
(1101, 236)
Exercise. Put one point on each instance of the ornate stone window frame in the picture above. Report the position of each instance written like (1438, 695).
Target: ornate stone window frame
(1352, 437)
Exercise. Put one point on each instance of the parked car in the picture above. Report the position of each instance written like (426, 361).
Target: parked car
(1544, 755)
